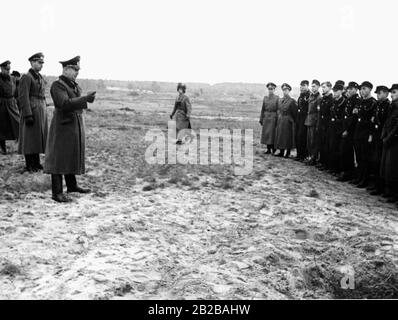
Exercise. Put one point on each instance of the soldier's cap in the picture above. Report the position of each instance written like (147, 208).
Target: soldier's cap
(5, 64)
(352, 85)
(74, 62)
(182, 86)
(340, 82)
(367, 84)
(271, 84)
(37, 57)
(338, 87)
(394, 87)
(286, 86)
(304, 83)
(15, 74)
(381, 88)
(316, 82)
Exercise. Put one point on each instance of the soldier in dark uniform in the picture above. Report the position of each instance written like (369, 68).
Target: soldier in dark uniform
(301, 128)
(66, 140)
(285, 130)
(268, 118)
(382, 110)
(323, 125)
(347, 159)
(341, 82)
(33, 127)
(17, 77)
(389, 135)
(363, 134)
(336, 128)
(9, 114)
(311, 122)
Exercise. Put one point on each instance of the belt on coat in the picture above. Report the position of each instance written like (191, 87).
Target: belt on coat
(38, 97)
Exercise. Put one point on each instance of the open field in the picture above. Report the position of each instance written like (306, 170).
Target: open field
(285, 231)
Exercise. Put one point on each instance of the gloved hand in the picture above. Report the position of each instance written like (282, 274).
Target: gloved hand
(29, 121)
(261, 122)
(171, 116)
(91, 97)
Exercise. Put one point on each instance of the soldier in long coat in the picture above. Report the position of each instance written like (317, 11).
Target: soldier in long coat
(66, 140)
(285, 129)
(301, 128)
(33, 127)
(363, 134)
(382, 110)
(311, 121)
(323, 125)
(268, 118)
(182, 111)
(347, 160)
(336, 128)
(389, 135)
(9, 114)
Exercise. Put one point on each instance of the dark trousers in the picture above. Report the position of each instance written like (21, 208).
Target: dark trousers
(362, 153)
(56, 183)
(301, 139)
(3, 145)
(32, 160)
(347, 163)
(323, 146)
(334, 147)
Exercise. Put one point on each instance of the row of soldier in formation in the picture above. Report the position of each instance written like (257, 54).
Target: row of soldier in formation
(23, 117)
(343, 130)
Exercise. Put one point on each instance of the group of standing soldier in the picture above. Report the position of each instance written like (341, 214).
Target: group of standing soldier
(23, 117)
(344, 131)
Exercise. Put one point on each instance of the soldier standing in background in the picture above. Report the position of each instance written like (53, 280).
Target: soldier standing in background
(182, 110)
(33, 124)
(323, 125)
(382, 110)
(66, 140)
(311, 121)
(389, 135)
(285, 129)
(347, 160)
(301, 128)
(268, 118)
(9, 114)
(17, 78)
(363, 134)
(336, 128)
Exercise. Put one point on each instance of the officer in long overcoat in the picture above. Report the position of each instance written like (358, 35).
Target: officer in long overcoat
(382, 110)
(347, 159)
(182, 111)
(389, 136)
(9, 114)
(33, 127)
(66, 139)
(285, 129)
(269, 117)
(301, 128)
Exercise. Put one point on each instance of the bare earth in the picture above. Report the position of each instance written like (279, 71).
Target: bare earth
(286, 231)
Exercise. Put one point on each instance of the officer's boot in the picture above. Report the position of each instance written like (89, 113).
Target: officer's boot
(36, 162)
(71, 185)
(281, 153)
(287, 155)
(57, 192)
(29, 160)
(3, 147)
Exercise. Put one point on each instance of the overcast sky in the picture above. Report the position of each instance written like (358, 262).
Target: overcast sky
(207, 40)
